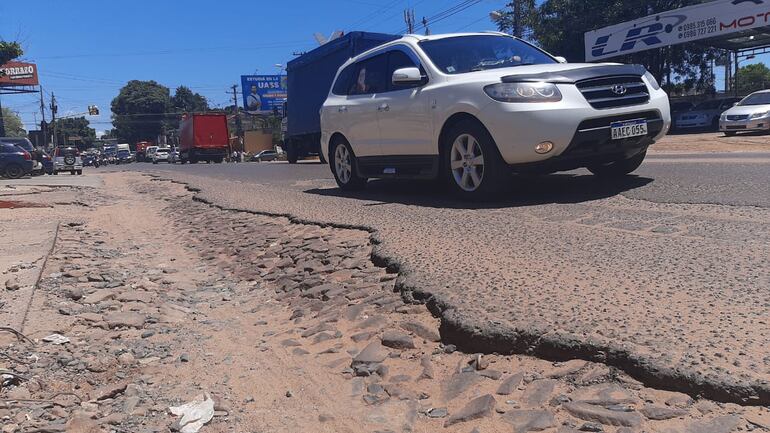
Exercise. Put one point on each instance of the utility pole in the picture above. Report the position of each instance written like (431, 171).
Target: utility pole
(54, 110)
(42, 123)
(409, 20)
(425, 24)
(517, 31)
(2, 121)
(238, 126)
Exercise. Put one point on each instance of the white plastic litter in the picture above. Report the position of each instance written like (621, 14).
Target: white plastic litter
(56, 339)
(195, 414)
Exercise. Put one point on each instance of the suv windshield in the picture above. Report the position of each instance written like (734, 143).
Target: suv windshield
(461, 54)
(756, 99)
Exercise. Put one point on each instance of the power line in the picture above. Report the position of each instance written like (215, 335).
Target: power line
(442, 15)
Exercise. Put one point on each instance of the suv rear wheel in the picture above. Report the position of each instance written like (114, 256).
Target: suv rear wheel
(618, 168)
(344, 166)
(14, 171)
(472, 164)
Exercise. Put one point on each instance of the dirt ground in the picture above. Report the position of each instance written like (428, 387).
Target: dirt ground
(134, 297)
(711, 142)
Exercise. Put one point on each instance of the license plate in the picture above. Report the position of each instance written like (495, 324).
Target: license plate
(628, 128)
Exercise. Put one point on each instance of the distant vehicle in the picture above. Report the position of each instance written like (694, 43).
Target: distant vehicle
(472, 108)
(110, 152)
(704, 115)
(149, 152)
(310, 77)
(265, 155)
(161, 155)
(15, 162)
(67, 159)
(123, 157)
(24, 143)
(203, 137)
(90, 160)
(141, 151)
(752, 113)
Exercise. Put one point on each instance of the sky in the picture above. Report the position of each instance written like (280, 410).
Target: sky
(86, 50)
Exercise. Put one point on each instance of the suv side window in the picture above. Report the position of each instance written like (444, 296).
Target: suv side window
(397, 60)
(342, 85)
(370, 76)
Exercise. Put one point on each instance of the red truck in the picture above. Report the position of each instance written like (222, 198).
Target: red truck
(141, 150)
(203, 137)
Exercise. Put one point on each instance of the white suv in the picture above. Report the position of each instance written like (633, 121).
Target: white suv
(473, 107)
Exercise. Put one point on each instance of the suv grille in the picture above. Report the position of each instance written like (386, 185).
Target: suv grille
(612, 92)
(737, 116)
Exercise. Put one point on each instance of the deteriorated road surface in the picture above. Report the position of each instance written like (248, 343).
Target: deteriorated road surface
(664, 275)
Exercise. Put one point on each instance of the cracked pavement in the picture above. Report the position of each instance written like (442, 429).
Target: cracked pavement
(636, 274)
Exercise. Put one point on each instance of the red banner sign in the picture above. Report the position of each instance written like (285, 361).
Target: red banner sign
(18, 74)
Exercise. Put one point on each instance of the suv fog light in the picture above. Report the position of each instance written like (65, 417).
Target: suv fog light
(544, 147)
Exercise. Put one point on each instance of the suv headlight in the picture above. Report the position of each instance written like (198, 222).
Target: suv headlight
(651, 79)
(758, 115)
(523, 92)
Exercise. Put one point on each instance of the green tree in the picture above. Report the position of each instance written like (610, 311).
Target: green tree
(752, 78)
(110, 133)
(13, 124)
(506, 18)
(185, 100)
(71, 127)
(558, 26)
(9, 51)
(140, 110)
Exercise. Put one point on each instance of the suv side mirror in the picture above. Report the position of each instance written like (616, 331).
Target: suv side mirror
(560, 59)
(407, 77)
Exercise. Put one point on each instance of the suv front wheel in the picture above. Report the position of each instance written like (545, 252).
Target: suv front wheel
(344, 166)
(618, 168)
(472, 164)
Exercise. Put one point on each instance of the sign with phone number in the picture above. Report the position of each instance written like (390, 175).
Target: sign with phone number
(706, 20)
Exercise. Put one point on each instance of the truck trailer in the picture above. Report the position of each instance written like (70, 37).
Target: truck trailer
(203, 137)
(310, 77)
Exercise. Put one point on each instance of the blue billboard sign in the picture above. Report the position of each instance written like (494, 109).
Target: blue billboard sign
(263, 93)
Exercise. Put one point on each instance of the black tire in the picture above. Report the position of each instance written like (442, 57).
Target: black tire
(72, 172)
(55, 173)
(321, 157)
(13, 171)
(619, 168)
(494, 172)
(346, 174)
(729, 133)
(80, 172)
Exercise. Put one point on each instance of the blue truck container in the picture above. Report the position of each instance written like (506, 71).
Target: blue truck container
(310, 77)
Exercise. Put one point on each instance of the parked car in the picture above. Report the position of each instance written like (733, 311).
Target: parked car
(473, 107)
(704, 115)
(752, 113)
(15, 162)
(67, 159)
(161, 154)
(265, 155)
(24, 143)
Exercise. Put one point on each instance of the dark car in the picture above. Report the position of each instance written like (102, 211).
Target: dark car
(38, 164)
(15, 162)
(265, 155)
(123, 157)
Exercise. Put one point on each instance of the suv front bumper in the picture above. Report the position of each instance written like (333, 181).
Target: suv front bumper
(580, 133)
(760, 124)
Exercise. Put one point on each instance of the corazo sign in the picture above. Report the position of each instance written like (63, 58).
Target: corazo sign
(692, 23)
(18, 74)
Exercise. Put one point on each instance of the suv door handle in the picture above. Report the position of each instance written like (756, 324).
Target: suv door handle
(383, 107)
(342, 109)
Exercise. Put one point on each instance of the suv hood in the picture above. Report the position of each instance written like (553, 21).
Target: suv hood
(567, 73)
(747, 109)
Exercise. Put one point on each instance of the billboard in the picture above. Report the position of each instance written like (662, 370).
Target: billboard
(18, 74)
(263, 93)
(692, 23)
